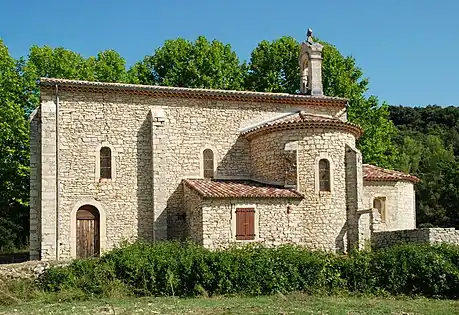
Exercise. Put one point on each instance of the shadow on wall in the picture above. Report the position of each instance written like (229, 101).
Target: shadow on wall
(340, 239)
(235, 164)
(145, 213)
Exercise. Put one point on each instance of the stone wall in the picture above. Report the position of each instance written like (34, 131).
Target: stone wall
(280, 221)
(358, 224)
(48, 196)
(400, 204)
(193, 214)
(270, 161)
(417, 236)
(325, 212)
(35, 184)
(148, 135)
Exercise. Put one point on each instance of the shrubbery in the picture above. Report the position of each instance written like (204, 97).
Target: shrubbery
(188, 270)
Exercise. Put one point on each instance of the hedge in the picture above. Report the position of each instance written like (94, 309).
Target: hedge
(185, 269)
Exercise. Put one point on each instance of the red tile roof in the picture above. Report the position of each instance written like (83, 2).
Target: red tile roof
(302, 119)
(375, 173)
(239, 189)
(196, 93)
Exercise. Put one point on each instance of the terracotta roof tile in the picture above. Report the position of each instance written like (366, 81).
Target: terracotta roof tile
(301, 119)
(239, 189)
(375, 173)
(167, 91)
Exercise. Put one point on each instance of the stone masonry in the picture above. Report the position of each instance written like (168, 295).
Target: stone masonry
(399, 203)
(415, 236)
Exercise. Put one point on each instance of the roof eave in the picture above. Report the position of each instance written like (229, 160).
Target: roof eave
(167, 91)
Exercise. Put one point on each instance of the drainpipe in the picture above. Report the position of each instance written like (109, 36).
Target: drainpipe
(57, 173)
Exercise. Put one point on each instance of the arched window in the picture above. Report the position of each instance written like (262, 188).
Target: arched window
(208, 163)
(105, 162)
(379, 204)
(324, 175)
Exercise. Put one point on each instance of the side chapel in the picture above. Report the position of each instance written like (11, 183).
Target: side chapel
(112, 162)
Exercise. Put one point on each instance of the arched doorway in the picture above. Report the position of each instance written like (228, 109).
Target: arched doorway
(87, 232)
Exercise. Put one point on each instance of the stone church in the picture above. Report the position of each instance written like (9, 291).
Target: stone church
(113, 162)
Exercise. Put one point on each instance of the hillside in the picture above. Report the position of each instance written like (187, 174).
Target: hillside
(428, 145)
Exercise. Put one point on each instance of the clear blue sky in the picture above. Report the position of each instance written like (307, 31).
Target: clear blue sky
(408, 48)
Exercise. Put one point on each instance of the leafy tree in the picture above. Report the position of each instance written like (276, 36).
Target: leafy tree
(108, 66)
(274, 67)
(435, 170)
(14, 155)
(57, 63)
(201, 64)
(428, 143)
(410, 153)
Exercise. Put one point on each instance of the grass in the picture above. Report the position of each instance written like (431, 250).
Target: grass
(278, 304)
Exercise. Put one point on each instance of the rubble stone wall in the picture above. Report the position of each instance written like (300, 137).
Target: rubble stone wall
(417, 236)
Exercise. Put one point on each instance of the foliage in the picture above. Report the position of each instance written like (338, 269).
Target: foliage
(201, 64)
(274, 67)
(164, 269)
(14, 156)
(428, 142)
(107, 66)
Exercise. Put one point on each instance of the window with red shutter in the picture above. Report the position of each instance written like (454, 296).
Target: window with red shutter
(245, 224)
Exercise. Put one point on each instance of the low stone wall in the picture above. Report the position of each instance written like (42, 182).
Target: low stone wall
(26, 270)
(419, 236)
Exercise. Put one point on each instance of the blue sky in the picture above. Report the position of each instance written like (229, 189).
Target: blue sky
(408, 48)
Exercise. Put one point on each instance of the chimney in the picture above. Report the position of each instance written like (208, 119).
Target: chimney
(310, 60)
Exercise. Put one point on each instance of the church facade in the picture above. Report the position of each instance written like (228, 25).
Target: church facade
(113, 162)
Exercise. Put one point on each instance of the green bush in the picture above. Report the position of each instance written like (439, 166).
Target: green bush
(186, 269)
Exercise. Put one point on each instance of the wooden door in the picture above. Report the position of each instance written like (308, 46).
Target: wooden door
(87, 232)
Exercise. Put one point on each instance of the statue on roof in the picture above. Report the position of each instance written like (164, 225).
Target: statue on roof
(309, 39)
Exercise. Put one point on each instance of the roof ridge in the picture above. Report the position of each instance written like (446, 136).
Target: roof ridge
(386, 174)
(168, 89)
(239, 188)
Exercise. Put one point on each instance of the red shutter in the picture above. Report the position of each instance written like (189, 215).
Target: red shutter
(250, 231)
(245, 223)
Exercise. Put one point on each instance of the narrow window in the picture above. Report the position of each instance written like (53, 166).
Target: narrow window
(245, 224)
(380, 205)
(324, 175)
(105, 162)
(208, 163)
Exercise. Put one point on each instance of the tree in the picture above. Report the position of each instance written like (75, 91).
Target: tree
(274, 67)
(108, 66)
(428, 143)
(201, 64)
(14, 155)
(436, 169)
(410, 154)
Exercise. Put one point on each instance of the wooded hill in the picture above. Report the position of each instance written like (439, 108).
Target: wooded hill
(428, 147)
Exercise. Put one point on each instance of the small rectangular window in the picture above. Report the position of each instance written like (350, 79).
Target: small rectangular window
(245, 224)
(105, 163)
(324, 175)
(208, 163)
(379, 203)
